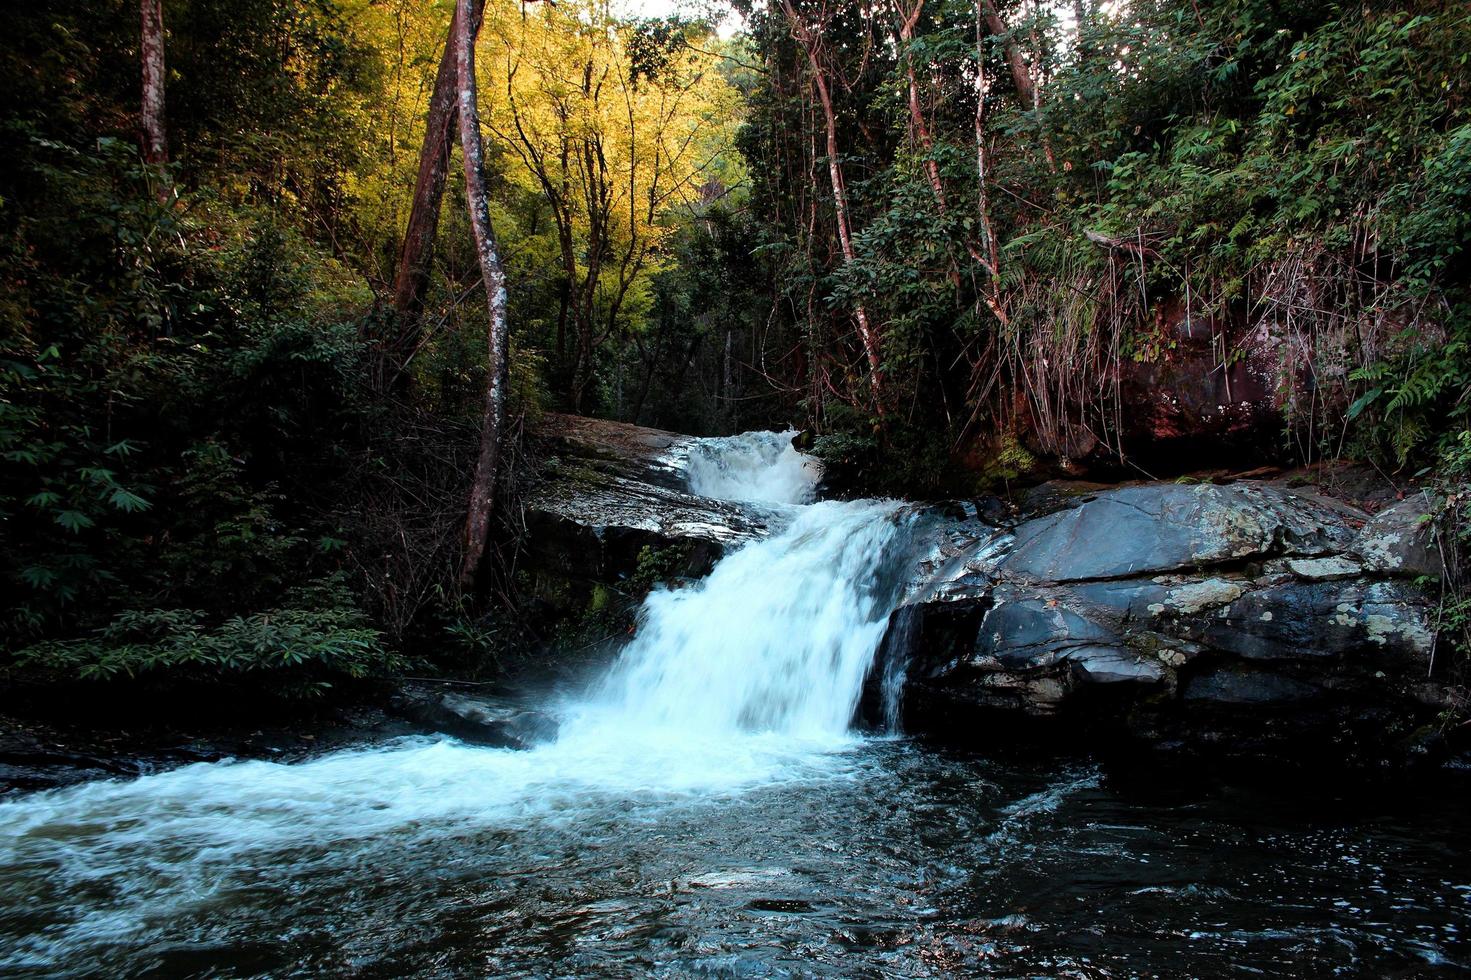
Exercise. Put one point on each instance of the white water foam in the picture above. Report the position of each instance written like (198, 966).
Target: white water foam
(748, 678)
(755, 467)
(784, 629)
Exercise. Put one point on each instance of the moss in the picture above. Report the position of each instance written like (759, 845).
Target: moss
(1010, 461)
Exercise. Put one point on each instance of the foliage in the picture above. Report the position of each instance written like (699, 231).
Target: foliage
(302, 648)
(1452, 524)
(1292, 177)
(203, 411)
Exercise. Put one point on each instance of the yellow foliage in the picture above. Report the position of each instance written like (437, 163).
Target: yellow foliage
(618, 159)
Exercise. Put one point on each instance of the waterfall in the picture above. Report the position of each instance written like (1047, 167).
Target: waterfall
(894, 670)
(780, 635)
(778, 638)
(749, 678)
(755, 467)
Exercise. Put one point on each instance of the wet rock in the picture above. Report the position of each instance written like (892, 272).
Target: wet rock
(474, 719)
(1188, 615)
(1401, 540)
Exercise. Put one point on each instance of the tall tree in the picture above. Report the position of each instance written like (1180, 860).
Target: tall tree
(412, 277)
(482, 489)
(810, 39)
(617, 127)
(155, 138)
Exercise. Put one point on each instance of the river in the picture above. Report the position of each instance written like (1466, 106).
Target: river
(707, 809)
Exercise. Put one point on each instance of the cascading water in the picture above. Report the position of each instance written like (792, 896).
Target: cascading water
(779, 637)
(750, 677)
(755, 467)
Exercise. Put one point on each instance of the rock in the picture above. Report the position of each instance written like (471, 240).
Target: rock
(1025, 632)
(613, 480)
(1188, 615)
(1401, 540)
(1376, 621)
(1154, 528)
(1242, 688)
(1188, 598)
(1324, 569)
(606, 495)
(472, 719)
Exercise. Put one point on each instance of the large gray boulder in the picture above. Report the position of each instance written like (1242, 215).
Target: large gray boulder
(1189, 613)
(1143, 530)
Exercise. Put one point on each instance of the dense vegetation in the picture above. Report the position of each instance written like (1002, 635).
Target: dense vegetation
(963, 243)
(224, 450)
(1286, 183)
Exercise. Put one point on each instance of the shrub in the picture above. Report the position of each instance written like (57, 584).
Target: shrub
(299, 651)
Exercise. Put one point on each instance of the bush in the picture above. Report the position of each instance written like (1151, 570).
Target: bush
(300, 650)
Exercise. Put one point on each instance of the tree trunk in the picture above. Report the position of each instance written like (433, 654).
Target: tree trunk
(917, 125)
(983, 205)
(482, 490)
(155, 138)
(872, 346)
(1021, 76)
(412, 277)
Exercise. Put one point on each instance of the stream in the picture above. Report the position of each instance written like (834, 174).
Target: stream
(708, 810)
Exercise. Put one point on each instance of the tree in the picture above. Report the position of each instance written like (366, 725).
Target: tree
(810, 39)
(155, 138)
(477, 196)
(617, 127)
(412, 276)
(1021, 75)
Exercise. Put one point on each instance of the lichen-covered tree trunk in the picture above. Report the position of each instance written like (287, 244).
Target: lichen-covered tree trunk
(155, 136)
(482, 489)
(412, 277)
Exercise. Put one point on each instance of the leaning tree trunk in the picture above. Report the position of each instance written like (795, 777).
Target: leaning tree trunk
(482, 490)
(1021, 75)
(155, 139)
(411, 280)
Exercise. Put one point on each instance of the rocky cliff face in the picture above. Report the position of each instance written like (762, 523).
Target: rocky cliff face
(1234, 615)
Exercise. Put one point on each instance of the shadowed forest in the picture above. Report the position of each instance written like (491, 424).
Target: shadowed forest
(254, 369)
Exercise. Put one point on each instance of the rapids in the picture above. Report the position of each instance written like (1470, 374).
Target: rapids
(708, 810)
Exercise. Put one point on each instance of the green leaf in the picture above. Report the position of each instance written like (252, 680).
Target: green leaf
(1363, 401)
(38, 577)
(125, 447)
(74, 520)
(127, 501)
